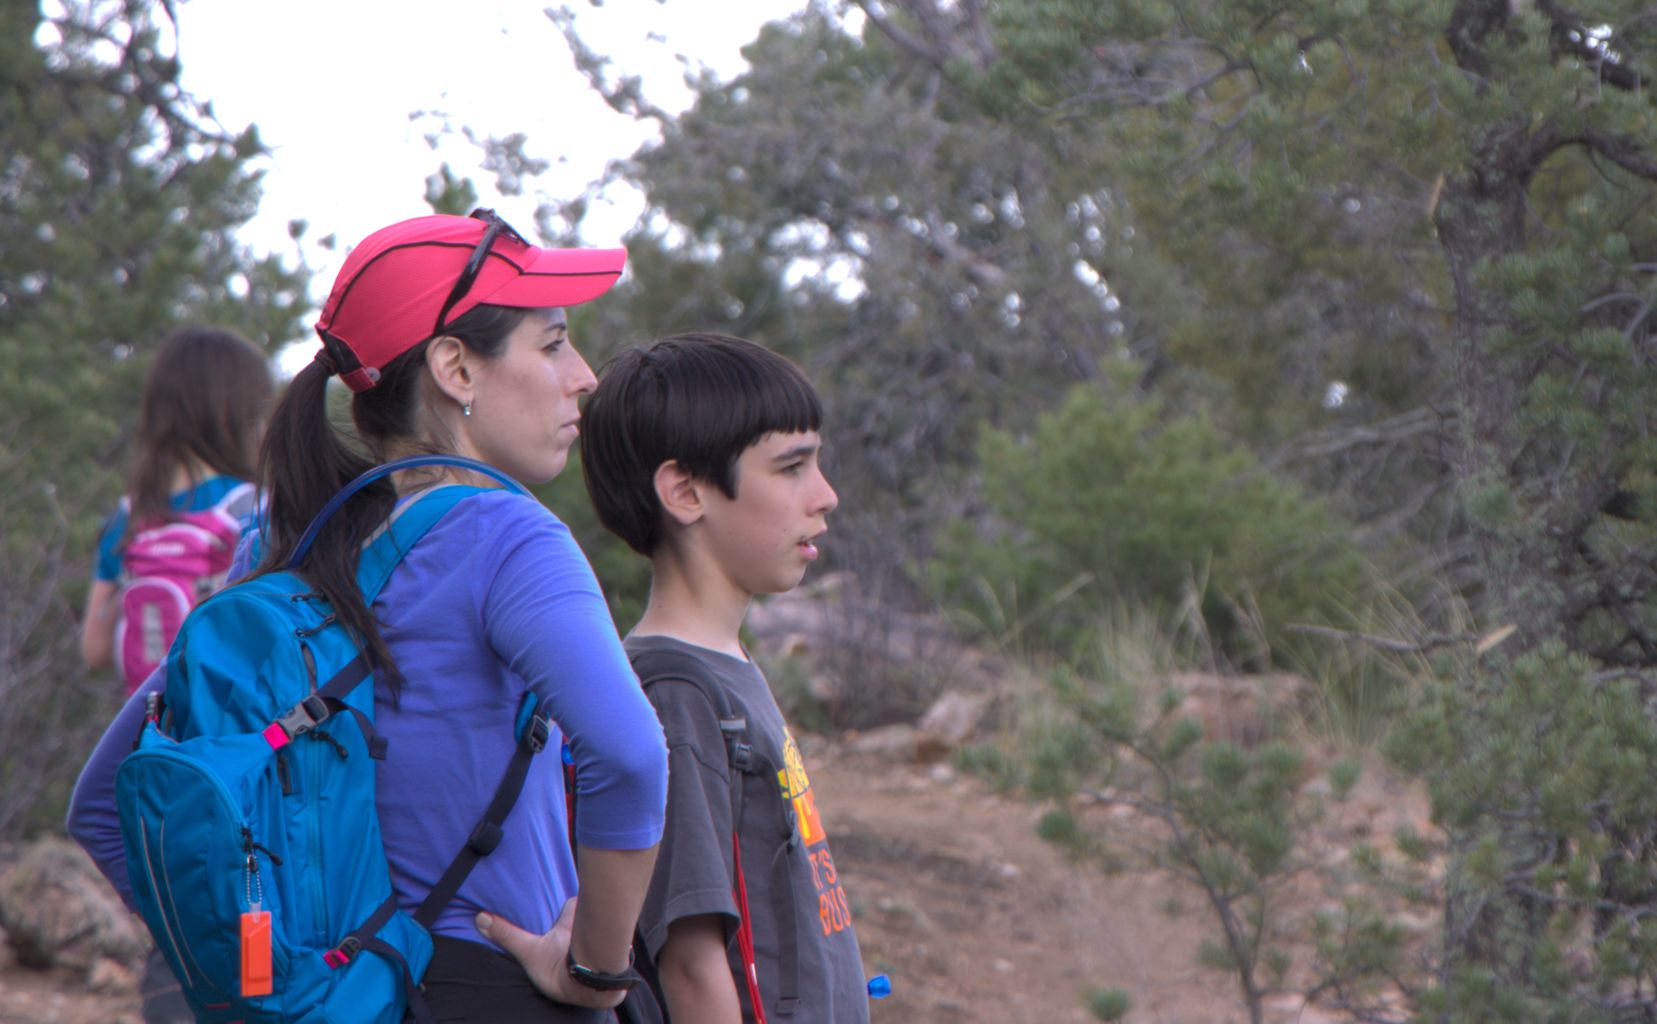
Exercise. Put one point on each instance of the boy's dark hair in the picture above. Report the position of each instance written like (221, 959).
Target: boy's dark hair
(696, 399)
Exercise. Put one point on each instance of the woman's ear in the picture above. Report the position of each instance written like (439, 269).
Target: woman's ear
(679, 493)
(449, 361)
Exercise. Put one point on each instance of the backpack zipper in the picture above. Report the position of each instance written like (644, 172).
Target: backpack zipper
(166, 923)
(161, 843)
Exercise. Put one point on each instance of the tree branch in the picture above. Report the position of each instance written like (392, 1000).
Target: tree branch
(980, 32)
(910, 44)
(1391, 431)
(1620, 150)
(1572, 37)
(1470, 23)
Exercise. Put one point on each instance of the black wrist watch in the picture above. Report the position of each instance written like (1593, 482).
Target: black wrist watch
(603, 981)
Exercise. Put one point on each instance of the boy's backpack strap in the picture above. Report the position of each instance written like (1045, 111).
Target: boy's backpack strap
(533, 731)
(667, 665)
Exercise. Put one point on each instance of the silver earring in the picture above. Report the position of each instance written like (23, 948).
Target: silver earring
(466, 410)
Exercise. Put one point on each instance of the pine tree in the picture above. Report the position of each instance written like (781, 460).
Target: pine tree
(119, 199)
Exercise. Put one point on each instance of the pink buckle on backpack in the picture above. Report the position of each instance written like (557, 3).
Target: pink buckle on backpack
(299, 720)
(276, 736)
(343, 953)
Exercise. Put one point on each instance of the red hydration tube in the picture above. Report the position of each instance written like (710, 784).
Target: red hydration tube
(745, 933)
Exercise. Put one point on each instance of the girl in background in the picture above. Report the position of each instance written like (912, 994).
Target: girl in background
(170, 541)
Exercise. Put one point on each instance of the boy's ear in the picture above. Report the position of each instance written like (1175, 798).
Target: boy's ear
(449, 361)
(679, 492)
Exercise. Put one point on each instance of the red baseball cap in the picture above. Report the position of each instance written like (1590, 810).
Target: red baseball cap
(393, 287)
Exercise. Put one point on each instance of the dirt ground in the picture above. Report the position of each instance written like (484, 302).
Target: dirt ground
(974, 918)
(978, 920)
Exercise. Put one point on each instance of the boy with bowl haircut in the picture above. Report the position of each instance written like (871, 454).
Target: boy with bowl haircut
(702, 453)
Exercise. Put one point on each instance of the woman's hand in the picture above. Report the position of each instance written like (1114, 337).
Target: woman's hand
(542, 956)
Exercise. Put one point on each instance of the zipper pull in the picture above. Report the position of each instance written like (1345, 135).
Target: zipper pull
(339, 748)
(282, 775)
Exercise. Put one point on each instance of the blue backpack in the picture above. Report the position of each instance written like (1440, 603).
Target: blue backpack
(248, 810)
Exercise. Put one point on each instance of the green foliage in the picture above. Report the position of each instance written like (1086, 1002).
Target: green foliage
(1139, 505)
(1398, 251)
(989, 763)
(1343, 775)
(1538, 771)
(1358, 947)
(448, 193)
(1108, 1004)
(785, 206)
(1223, 816)
(1060, 828)
(119, 199)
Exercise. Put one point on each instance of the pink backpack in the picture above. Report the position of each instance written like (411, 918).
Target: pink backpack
(167, 568)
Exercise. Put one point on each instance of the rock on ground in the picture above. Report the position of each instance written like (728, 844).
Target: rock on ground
(59, 912)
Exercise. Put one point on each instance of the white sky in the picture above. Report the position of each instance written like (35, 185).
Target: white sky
(331, 85)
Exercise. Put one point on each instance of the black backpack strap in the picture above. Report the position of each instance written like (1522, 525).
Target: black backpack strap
(366, 938)
(327, 701)
(668, 665)
(788, 953)
(533, 731)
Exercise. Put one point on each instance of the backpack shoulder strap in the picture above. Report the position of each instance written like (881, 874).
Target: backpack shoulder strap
(408, 523)
(237, 501)
(668, 665)
(374, 568)
(532, 730)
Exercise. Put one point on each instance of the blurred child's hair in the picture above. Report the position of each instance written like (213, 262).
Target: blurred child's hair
(696, 399)
(205, 400)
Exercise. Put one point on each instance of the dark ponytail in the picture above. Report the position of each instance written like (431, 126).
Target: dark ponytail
(305, 462)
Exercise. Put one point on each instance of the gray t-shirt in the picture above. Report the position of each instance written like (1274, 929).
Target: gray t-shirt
(791, 880)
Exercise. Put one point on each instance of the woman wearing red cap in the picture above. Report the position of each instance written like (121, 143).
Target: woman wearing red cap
(451, 332)
(452, 335)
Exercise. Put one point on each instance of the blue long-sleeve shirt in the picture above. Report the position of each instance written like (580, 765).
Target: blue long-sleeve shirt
(495, 600)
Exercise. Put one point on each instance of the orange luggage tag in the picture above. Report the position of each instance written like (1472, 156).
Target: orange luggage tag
(256, 972)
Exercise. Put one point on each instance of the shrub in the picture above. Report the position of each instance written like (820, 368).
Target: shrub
(1106, 501)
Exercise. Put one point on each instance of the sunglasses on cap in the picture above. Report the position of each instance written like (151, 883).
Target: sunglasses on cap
(474, 265)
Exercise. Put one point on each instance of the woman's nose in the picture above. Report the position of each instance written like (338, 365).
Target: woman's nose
(582, 379)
